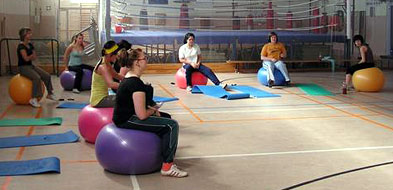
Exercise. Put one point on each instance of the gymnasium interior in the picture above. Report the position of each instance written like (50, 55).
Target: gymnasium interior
(308, 135)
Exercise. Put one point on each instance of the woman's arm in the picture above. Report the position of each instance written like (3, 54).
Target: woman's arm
(106, 73)
(115, 74)
(184, 60)
(123, 71)
(26, 57)
(283, 52)
(264, 55)
(139, 99)
(363, 51)
(66, 55)
(199, 59)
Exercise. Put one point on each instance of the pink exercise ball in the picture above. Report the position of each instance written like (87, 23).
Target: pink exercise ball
(91, 120)
(197, 78)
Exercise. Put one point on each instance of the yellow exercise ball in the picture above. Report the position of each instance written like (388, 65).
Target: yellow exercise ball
(368, 80)
(21, 88)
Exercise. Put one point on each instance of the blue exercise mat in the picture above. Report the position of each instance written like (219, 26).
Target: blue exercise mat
(72, 105)
(29, 167)
(10, 142)
(218, 92)
(164, 99)
(254, 92)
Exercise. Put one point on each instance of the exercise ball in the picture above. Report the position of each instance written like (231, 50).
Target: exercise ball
(91, 120)
(86, 79)
(67, 79)
(368, 80)
(128, 151)
(279, 79)
(197, 78)
(20, 89)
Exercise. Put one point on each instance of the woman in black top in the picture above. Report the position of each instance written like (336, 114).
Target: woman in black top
(26, 55)
(367, 60)
(131, 111)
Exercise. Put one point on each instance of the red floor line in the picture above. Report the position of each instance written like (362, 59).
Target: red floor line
(19, 155)
(6, 111)
(346, 112)
(182, 104)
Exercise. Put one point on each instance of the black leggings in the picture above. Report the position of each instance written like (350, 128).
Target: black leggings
(79, 74)
(167, 129)
(354, 68)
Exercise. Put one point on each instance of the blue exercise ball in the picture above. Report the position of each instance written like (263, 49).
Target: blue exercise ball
(128, 151)
(279, 79)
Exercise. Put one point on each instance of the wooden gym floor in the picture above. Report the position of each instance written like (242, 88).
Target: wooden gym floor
(316, 142)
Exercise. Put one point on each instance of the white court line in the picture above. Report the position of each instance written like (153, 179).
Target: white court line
(135, 184)
(284, 153)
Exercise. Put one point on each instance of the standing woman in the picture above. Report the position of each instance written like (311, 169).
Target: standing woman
(73, 60)
(103, 75)
(367, 60)
(272, 54)
(190, 56)
(132, 112)
(26, 55)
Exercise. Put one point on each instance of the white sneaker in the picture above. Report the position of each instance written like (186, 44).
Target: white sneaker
(174, 172)
(189, 88)
(76, 91)
(33, 102)
(51, 97)
(223, 85)
(159, 104)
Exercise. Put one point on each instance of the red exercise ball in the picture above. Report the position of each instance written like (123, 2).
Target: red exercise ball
(197, 78)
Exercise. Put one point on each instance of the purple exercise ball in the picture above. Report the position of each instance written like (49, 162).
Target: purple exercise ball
(128, 151)
(86, 79)
(67, 79)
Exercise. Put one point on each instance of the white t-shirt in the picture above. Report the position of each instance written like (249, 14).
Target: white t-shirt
(189, 53)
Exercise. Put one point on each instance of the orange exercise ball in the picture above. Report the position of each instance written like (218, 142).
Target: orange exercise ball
(21, 88)
(368, 80)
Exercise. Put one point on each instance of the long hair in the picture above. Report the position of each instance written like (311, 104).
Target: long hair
(22, 33)
(75, 38)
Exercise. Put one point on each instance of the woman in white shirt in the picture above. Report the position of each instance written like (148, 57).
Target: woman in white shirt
(190, 56)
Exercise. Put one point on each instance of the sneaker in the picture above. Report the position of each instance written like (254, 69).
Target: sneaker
(76, 91)
(174, 171)
(189, 88)
(159, 104)
(51, 97)
(223, 85)
(33, 102)
(351, 88)
(270, 83)
(288, 83)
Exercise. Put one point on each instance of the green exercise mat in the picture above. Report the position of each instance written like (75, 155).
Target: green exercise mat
(314, 90)
(31, 121)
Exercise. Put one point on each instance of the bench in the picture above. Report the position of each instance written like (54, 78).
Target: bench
(323, 60)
